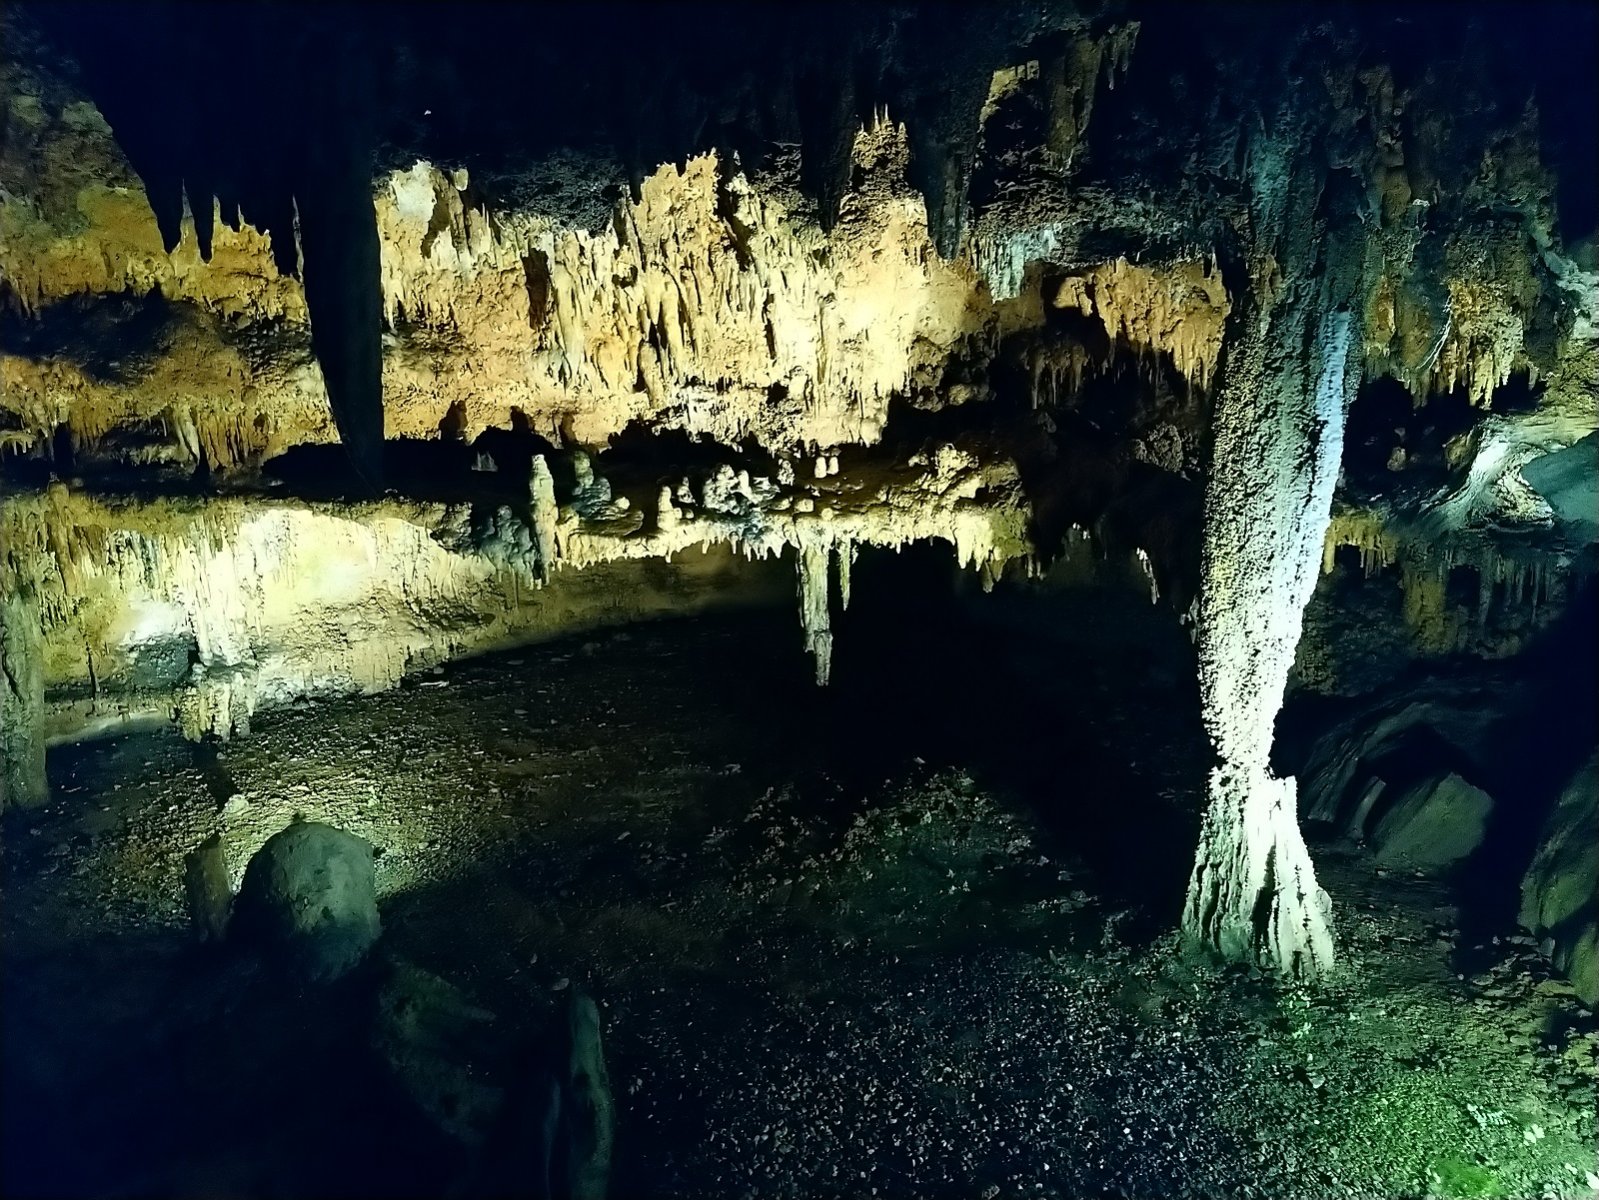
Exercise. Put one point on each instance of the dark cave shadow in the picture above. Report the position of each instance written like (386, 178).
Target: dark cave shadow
(1015, 687)
(1544, 726)
(1539, 747)
(147, 1065)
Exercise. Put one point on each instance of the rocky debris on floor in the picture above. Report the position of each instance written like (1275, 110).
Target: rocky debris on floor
(310, 895)
(790, 985)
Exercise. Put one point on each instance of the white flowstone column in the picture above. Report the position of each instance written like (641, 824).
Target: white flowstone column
(543, 514)
(1279, 421)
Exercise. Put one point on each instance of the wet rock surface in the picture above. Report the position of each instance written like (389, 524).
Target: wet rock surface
(1560, 893)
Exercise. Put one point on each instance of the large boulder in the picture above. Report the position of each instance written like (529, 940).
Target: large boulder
(310, 895)
(1433, 824)
(1560, 892)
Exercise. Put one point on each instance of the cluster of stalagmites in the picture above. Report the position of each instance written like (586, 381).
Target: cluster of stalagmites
(207, 610)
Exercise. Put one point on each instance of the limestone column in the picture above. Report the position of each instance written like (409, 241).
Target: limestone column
(1278, 423)
(22, 774)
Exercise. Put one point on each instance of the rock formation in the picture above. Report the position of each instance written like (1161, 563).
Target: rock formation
(1279, 425)
(1560, 894)
(396, 354)
(309, 896)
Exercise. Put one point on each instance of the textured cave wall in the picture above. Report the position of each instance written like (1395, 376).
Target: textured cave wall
(205, 613)
(721, 299)
(203, 610)
(314, 94)
(22, 747)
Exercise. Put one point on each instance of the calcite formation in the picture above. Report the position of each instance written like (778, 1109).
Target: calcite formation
(416, 359)
(1179, 312)
(1279, 424)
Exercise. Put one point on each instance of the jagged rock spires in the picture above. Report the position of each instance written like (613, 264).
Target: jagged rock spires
(544, 517)
(814, 556)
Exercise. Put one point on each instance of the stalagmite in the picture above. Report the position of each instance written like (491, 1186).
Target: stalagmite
(1148, 569)
(814, 553)
(1279, 420)
(665, 511)
(207, 890)
(22, 776)
(543, 514)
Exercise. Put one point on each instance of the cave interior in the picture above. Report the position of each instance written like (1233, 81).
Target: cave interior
(799, 599)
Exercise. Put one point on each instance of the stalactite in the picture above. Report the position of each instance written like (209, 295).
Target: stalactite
(814, 553)
(1179, 310)
(544, 517)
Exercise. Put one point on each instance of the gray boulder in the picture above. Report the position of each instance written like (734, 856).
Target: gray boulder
(1560, 892)
(310, 895)
(1432, 824)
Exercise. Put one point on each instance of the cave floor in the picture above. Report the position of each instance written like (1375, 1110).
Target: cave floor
(843, 944)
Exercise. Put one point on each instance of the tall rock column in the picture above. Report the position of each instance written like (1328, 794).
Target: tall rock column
(1278, 425)
(22, 776)
(339, 237)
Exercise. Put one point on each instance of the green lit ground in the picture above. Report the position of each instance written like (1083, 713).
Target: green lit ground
(827, 968)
